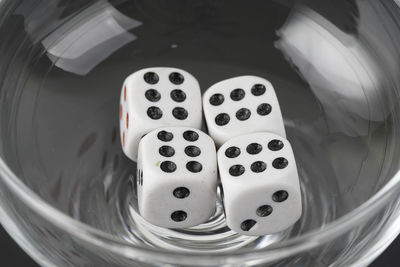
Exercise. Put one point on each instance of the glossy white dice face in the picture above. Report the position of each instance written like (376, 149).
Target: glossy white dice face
(242, 105)
(157, 97)
(177, 177)
(260, 183)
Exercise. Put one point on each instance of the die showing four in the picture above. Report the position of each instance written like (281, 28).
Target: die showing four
(157, 97)
(177, 167)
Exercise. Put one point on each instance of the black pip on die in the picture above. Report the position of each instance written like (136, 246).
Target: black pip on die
(177, 177)
(157, 97)
(242, 105)
(260, 183)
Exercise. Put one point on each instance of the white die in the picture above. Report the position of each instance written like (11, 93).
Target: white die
(259, 199)
(174, 191)
(250, 98)
(145, 93)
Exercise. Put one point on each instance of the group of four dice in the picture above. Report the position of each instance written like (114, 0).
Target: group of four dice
(161, 113)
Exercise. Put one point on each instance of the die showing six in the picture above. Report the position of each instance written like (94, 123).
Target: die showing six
(261, 187)
(178, 177)
(157, 97)
(241, 105)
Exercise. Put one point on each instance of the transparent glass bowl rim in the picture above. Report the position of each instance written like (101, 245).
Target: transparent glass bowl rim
(286, 248)
(280, 250)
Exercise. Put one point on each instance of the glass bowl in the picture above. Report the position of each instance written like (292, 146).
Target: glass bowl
(67, 191)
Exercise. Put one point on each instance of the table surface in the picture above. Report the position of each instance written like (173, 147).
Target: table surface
(12, 255)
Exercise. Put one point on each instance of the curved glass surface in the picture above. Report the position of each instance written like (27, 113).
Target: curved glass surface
(335, 69)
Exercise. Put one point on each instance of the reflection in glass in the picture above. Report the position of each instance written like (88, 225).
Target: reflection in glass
(89, 38)
(338, 67)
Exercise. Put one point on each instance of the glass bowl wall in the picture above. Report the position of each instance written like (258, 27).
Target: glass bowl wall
(67, 190)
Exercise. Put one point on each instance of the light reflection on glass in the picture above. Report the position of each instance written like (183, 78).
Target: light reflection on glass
(339, 69)
(89, 38)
